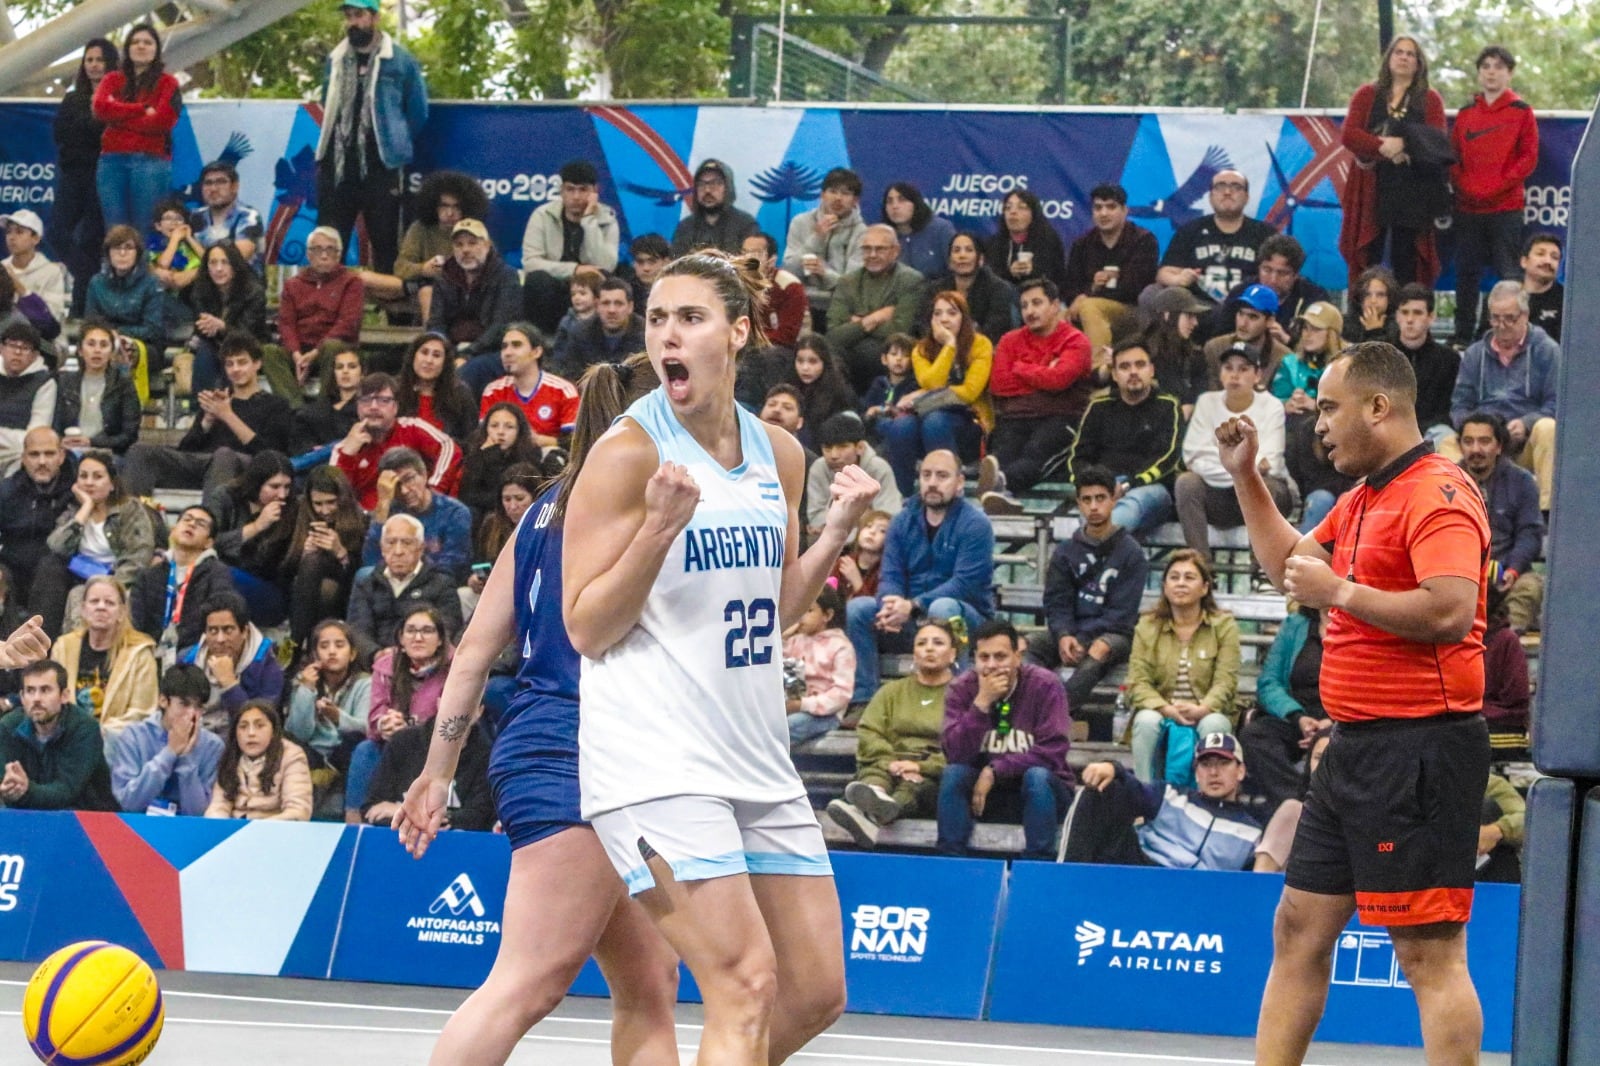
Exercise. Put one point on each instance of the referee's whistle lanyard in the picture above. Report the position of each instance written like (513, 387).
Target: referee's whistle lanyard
(1355, 547)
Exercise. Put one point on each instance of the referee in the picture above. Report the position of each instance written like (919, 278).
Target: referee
(1390, 828)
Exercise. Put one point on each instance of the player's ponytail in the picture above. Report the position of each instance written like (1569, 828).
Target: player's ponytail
(605, 390)
(740, 285)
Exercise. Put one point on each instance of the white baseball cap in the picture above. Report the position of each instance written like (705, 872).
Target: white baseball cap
(26, 219)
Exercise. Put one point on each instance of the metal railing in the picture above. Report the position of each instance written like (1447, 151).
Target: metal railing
(898, 59)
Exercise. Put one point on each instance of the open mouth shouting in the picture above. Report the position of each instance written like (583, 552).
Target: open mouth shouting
(676, 376)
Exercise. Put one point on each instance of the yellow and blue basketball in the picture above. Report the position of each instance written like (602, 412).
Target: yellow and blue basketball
(92, 1004)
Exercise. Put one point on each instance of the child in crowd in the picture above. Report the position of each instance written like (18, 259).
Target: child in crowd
(585, 290)
(331, 699)
(856, 572)
(895, 383)
(819, 643)
(262, 774)
(502, 440)
(823, 390)
(1373, 304)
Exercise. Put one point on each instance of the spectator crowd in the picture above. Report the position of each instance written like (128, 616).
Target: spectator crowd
(279, 648)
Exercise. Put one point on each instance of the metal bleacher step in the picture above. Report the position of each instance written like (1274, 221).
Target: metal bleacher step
(921, 834)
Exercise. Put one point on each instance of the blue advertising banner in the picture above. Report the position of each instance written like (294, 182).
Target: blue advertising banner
(1098, 946)
(964, 162)
(918, 932)
(1121, 948)
(434, 920)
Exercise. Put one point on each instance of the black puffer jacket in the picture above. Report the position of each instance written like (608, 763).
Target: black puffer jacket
(119, 408)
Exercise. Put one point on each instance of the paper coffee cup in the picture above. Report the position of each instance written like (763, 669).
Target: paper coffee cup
(1025, 260)
(1115, 272)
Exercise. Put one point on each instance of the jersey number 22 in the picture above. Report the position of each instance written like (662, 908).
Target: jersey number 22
(749, 642)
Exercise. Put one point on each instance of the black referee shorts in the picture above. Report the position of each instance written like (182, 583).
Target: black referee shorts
(1393, 816)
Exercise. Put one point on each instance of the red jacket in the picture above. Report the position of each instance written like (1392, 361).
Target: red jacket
(1497, 148)
(1035, 376)
(316, 308)
(435, 447)
(1358, 230)
(128, 128)
(786, 309)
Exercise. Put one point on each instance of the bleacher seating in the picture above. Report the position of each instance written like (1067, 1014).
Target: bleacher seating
(1023, 545)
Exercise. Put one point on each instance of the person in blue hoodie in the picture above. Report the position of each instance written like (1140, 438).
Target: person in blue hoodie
(1511, 372)
(1205, 828)
(1092, 593)
(167, 763)
(938, 562)
(238, 660)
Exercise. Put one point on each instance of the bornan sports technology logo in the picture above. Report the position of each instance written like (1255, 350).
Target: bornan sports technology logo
(889, 934)
(1150, 949)
(11, 867)
(456, 916)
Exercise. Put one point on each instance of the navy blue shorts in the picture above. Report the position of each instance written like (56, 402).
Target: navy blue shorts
(536, 798)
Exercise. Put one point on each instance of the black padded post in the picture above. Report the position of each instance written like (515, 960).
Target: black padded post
(1539, 1023)
(1583, 990)
(1565, 740)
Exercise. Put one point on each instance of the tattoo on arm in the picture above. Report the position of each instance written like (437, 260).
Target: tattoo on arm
(453, 729)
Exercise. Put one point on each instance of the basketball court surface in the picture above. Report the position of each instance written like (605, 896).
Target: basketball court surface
(270, 1021)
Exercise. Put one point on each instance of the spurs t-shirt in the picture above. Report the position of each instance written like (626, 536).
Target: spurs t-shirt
(1223, 259)
(1420, 517)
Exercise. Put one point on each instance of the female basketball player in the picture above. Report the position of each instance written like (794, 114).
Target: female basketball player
(681, 573)
(563, 903)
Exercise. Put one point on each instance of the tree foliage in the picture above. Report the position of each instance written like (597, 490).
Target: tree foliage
(1243, 53)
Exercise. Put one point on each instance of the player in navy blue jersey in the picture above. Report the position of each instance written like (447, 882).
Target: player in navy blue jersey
(563, 902)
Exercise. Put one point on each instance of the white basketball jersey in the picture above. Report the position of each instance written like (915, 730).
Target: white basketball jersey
(691, 700)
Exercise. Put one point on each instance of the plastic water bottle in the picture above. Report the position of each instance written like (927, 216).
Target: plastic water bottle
(1124, 712)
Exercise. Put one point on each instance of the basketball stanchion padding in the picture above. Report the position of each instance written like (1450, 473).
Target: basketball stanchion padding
(1583, 990)
(1539, 1018)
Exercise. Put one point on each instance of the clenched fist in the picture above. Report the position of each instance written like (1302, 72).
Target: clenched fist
(853, 491)
(670, 497)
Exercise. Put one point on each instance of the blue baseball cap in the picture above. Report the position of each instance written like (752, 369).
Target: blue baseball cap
(1261, 298)
(1224, 744)
(364, 5)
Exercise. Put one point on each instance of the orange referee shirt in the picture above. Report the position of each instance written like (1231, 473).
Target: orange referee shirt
(1420, 517)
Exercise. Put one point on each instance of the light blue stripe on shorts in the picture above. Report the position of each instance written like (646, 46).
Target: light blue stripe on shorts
(774, 862)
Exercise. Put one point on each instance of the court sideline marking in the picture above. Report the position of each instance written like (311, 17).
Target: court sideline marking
(1131, 1056)
(832, 1055)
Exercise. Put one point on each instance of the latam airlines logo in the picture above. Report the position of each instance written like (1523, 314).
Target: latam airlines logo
(11, 867)
(889, 934)
(1089, 936)
(1150, 949)
(456, 916)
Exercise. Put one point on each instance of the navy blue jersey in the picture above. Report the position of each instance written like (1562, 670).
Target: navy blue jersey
(540, 721)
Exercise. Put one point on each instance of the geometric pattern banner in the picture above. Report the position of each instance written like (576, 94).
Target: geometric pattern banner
(963, 161)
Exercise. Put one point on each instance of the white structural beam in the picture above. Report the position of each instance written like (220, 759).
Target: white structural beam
(49, 53)
(23, 58)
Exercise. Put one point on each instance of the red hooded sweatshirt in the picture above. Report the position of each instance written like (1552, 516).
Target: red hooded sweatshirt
(1497, 147)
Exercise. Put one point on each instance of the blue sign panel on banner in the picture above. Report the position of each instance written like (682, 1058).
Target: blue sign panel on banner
(1106, 946)
(918, 932)
(62, 888)
(433, 920)
(1370, 1001)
